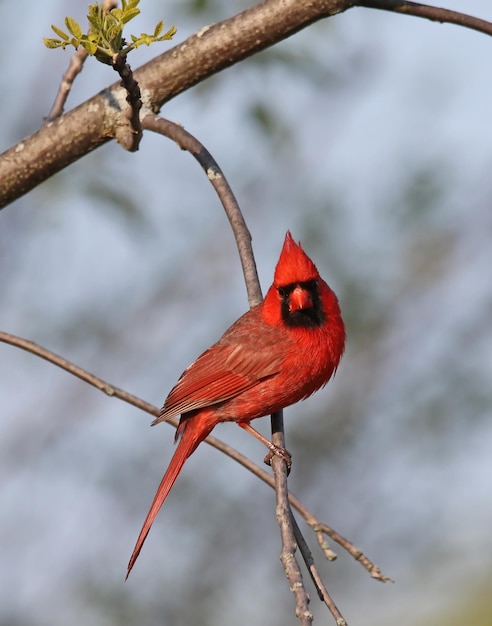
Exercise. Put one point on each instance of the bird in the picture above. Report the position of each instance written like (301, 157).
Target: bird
(278, 353)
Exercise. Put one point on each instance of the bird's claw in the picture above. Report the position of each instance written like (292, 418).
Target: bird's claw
(281, 453)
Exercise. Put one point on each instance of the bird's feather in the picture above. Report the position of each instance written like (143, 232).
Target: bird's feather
(222, 372)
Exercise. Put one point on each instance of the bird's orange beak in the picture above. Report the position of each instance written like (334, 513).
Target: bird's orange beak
(300, 299)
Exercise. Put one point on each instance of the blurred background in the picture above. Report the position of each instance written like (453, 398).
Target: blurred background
(368, 136)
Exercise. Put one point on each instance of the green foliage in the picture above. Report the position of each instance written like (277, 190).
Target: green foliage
(105, 37)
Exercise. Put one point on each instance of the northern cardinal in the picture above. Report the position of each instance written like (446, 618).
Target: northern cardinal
(276, 354)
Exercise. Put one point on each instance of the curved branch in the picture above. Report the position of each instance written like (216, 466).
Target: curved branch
(186, 141)
(111, 390)
(243, 239)
(435, 14)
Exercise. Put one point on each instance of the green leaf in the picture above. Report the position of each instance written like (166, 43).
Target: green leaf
(60, 32)
(158, 29)
(129, 14)
(73, 27)
(90, 46)
(94, 18)
(131, 4)
(169, 35)
(116, 14)
(94, 9)
(52, 43)
(137, 41)
(112, 33)
(111, 20)
(105, 34)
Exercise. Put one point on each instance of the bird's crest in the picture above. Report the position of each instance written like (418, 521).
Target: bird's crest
(294, 265)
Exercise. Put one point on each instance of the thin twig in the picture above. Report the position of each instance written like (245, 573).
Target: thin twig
(347, 545)
(75, 66)
(289, 543)
(315, 576)
(285, 521)
(111, 390)
(186, 141)
(71, 368)
(435, 14)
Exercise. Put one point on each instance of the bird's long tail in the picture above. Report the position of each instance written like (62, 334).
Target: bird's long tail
(194, 430)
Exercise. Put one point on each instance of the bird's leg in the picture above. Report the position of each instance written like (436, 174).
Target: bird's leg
(273, 449)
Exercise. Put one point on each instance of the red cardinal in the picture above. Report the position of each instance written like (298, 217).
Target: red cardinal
(276, 354)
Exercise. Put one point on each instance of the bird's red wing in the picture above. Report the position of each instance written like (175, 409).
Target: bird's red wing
(222, 372)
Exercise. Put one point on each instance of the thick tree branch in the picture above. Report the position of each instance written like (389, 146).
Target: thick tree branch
(78, 132)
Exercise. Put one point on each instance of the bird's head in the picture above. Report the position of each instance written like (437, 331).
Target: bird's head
(297, 296)
(293, 265)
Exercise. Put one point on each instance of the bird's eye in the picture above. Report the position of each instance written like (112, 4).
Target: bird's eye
(281, 292)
